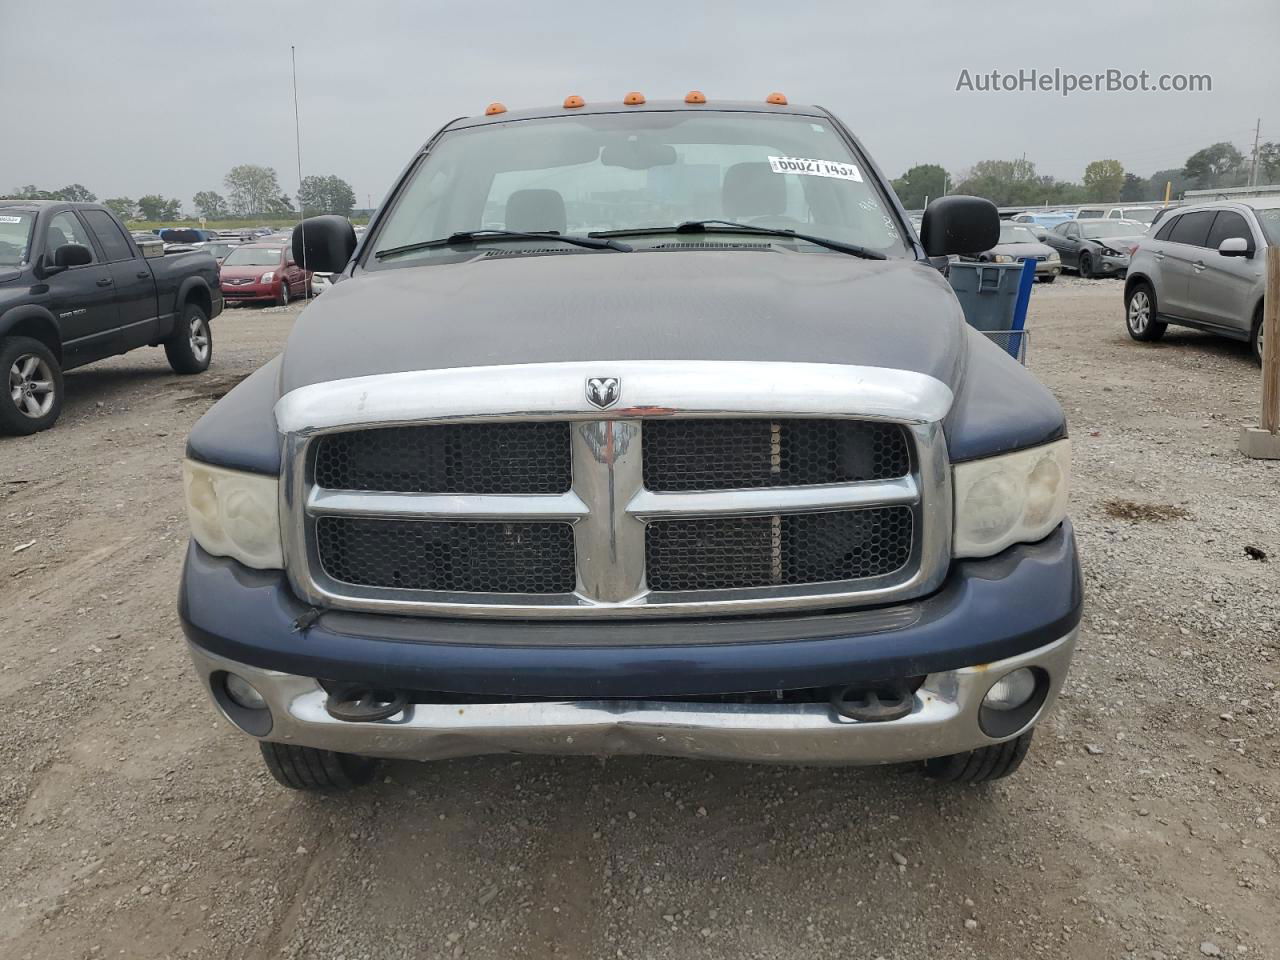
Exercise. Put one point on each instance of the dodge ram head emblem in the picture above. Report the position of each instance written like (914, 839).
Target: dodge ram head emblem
(603, 392)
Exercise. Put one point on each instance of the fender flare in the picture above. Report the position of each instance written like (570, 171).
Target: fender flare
(1131, 279)
(185, 288)
(33, 317)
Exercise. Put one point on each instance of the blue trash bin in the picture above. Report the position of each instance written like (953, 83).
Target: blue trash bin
(994, 297)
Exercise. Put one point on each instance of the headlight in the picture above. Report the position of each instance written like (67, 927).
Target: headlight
(267, 277)
(1015, 498)
(1001, 258)
(234, 514)
(1053, 255)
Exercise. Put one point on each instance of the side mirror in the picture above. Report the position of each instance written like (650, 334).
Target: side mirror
(959, 225)
(72, 255)
(1235, 247)
(67, 255)
(324, 244)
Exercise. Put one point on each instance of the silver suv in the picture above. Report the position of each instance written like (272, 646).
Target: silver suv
(1203, 267)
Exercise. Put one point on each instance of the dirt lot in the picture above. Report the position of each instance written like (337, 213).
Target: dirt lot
(1146, 822)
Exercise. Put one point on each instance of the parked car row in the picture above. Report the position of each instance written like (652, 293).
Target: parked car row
(1019, 244)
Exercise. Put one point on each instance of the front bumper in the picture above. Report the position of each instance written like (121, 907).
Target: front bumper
(1048, 268)
(1113, 264)
(944, 719)
(630, 687)
(251, 291)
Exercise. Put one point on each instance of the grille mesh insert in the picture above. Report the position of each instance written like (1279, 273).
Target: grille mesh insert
(734, 552)
(684, 455)
(477, 458)
(454, 556)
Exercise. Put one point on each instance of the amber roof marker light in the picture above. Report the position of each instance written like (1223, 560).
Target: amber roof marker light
(573, 102)
(633, 99)
(779, 98)
(494, 108)
(695, 96)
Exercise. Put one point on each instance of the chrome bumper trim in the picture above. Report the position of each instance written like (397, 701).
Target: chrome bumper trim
(943, 720)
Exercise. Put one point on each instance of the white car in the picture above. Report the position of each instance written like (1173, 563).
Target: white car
(320, 282)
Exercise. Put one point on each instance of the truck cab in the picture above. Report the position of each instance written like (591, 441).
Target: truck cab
(635, 427)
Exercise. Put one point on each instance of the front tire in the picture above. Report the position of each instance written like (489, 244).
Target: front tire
(1140, 314)
(190, 346)
(1086, 267)
(1256, 339)
(320, 771)
(982, 765)
(283, 299)
(33, 376)
(1049, 279)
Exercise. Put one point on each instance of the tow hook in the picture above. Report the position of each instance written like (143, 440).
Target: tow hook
(362, 705)
(872, 704)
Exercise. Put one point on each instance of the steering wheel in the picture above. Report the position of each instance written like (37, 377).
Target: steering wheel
(781, 223)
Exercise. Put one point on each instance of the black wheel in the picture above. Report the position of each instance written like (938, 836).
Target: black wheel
(34, 378)
(283, 299)
(981, 765)
(1086, 267)
(190, 346)
(1140, 313)
(306, 768)
(1256, 339)
(1049, 279)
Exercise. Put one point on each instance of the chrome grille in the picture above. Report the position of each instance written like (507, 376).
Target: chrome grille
(461, 556)
(520, 458)
(802, 548)
(734, 454)
(501, 492)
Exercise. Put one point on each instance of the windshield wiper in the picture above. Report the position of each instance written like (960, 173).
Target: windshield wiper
(730, 226)
(464, 237)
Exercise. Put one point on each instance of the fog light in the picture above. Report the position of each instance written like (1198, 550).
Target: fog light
(243, 694)
(1011, 691)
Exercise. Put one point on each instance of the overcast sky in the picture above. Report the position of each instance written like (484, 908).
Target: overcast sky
(131, 98)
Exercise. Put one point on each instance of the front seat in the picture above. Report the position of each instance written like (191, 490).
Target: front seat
(536, 211)
(753, 190)
(54, 238)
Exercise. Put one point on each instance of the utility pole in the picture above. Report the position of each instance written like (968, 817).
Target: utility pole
(1253, 172)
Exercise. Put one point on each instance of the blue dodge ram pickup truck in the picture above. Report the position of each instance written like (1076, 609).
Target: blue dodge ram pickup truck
(75, 287)
(635, 428)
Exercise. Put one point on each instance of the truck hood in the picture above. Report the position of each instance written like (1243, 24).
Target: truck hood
(687, 305)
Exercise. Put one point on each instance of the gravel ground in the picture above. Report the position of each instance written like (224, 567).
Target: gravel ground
(133, 823)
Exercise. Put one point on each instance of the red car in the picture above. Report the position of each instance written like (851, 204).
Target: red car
(263, 271)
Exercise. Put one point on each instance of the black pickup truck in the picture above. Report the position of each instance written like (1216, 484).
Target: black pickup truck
(75, 287)
(636, 428)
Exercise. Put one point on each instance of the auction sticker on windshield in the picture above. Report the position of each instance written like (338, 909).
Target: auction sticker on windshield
(10, 219)
(815, 168)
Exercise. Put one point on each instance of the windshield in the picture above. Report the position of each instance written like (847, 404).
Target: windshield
(1143, 214)
(1112, 228)
(1012, 233)
(1269, 217)
(253, 257)
(15, 237)
(603, 172)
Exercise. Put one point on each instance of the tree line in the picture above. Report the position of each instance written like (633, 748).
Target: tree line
(1010, 183)
(251, 191)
